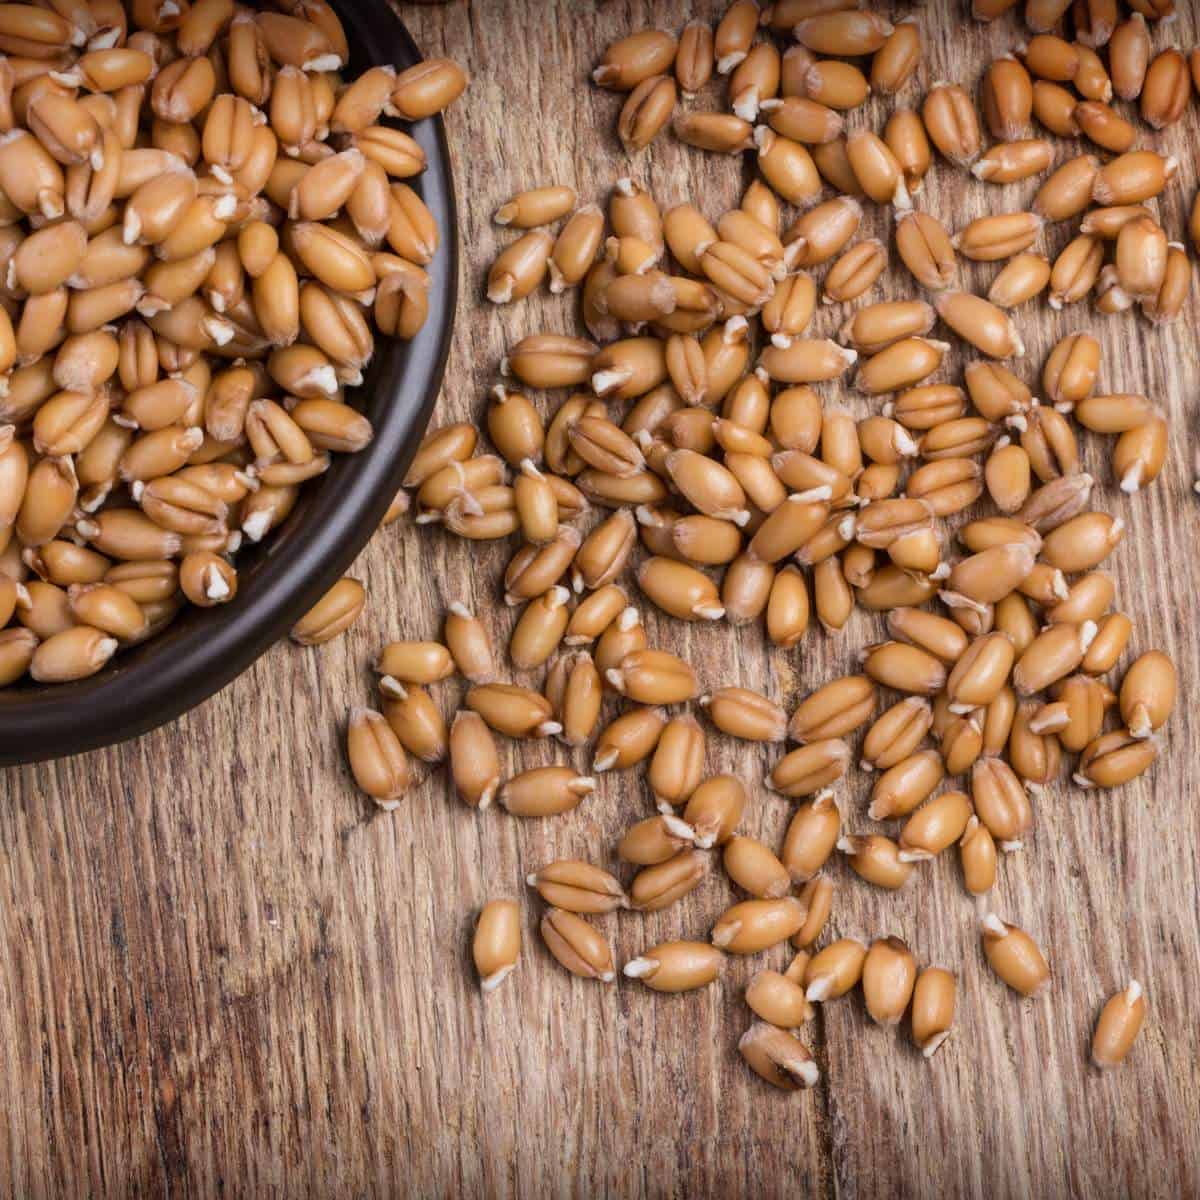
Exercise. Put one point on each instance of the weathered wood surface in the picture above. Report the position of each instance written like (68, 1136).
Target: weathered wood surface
(222, 973)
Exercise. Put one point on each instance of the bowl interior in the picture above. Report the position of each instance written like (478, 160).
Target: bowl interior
(280, 579)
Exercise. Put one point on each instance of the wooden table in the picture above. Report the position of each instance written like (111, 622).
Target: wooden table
(222, 971)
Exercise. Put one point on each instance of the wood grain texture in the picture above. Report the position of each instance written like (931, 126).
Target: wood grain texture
(221, 972)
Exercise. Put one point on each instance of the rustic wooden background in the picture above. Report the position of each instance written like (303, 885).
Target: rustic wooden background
(222, 972)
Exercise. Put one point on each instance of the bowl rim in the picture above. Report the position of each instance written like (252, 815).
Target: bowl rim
(203, 651)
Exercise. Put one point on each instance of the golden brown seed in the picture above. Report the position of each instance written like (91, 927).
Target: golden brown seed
(574, 250)
(1134, 177)
(1141, 258)
(1068, 190)
(688, 235)
(629, 739)
(708, 485)
(207, 580)
(539, 629)
(898, 58)
(1007, 96)
(520, 267)
(1076, 715)
(935, 826)
(786, 166)
(1014, 956)
(658, 887)
(904, 667)
(896, 734)
(907, 140)
(803, 120)
(995, 391)
(539, 206)
(834, 710)
(415, 662)
(594, 614)
(806, 361)
(1104, 126)
(551, 361)
(623, 636)
(813, 767)
(577, 887)
(1082, 542)
(745, 714)
(778, 1000)
(901, 788)
(377, 758)
(1166, 89)
(991, 238)
(778, 1057)
(834, 970)
(926, 249)
(876, 859)
(676, 966)
(75, 653)
(811, 837)
(992, 573)
(888, 976)
(900, 366)
(474, 765)
(654, 677)
(706, 540)
(577, 946)
(980, 323)
(1091, 80)
(1056, 502)
(1115, 758)
(755, 925)
(1050, 57)
(981, 672)
(332, 615)
(933, 1001)
(952, 123)
(846, 32)
(627, 62)
(1118, 1026)
(722, 133)
(787, 313)
(855, 272)
(678, 764)
(821, 232)
(977, 851)
(1054, 107)
(1000, 800)
(543, 791)
(1025, 277)
(1167, 304)
(714, 810)
(1007, 474)
(784, 595)
(833, 165)
(876, 169)
(428, 88)
(1010, 162)
(513, 710)
(1148, 693)
(1035, 757)
(817, 896)
(694, 57)
(496, 947)
(655, 840)
(878, 326)
(754, 869)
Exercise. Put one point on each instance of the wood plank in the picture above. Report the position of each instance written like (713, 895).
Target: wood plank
(220, 971)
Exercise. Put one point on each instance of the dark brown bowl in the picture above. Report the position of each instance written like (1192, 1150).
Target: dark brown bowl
(280, 580)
